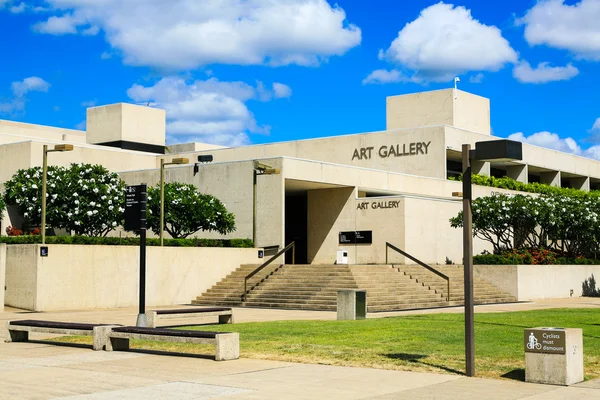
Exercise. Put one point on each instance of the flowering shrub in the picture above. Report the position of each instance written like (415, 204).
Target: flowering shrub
(531, 257)
(84, 199)
(12, 231)
(188, 211)
(568, 225)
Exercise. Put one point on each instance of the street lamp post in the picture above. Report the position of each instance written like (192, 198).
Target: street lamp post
(61, 148)
(493, 150)
(259, 169)
(175, 161)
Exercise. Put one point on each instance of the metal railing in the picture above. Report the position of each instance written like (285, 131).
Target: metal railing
(269, 261)
(421, 263)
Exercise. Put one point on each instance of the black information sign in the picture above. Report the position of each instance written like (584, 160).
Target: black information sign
(135, 207)
(356, 237)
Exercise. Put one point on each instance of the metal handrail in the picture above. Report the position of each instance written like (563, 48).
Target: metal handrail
(269, 261)
(421, 263)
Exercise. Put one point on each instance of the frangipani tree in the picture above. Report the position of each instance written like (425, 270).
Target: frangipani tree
(85, 199)
(188, 211)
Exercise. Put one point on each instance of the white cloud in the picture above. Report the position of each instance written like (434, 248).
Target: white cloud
(596, 126)
(381, 76)
(20, 90)
(18, 8)
(31, 84)
(184, 34)
(476, 78)
(553, 141)
(89, 103)
(281, 91)
(543, 73)
(209, 111)
(569, 27)
(446, 41)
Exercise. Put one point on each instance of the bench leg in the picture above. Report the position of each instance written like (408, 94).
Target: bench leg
(226, 319)
(101, 336)
(16, 336)
(117, 344)
(151, 322)
(228, 347)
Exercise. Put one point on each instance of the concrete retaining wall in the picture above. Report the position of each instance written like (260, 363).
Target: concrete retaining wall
(533, 282)
(74, 277)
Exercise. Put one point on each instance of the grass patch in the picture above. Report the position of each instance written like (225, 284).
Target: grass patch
(426, 343)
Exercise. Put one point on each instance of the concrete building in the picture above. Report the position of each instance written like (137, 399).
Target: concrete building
(389, 186)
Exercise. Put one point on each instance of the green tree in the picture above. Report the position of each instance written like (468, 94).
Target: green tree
(188, 211)
(84, 199)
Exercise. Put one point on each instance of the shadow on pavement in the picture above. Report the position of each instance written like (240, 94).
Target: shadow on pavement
(515, 374)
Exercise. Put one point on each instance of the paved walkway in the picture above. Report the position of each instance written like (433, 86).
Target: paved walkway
(39, 370)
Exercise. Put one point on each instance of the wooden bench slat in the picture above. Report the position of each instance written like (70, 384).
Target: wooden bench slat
(191, 310)
(166, 332)
(55, 325)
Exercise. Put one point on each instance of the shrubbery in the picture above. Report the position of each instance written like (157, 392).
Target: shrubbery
(589, 287)
(567, 225)
(531, 257)
(129, 241)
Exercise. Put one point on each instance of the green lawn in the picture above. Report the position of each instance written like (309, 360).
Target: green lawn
(432, 342)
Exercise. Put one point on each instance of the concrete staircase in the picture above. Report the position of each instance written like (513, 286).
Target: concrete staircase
(314, 287)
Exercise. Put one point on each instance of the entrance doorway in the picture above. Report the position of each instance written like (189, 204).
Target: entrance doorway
(296, 226)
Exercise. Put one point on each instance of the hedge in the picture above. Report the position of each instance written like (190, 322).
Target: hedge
(508, 183)
(128, 241)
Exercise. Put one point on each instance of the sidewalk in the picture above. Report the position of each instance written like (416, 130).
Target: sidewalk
(38, 370)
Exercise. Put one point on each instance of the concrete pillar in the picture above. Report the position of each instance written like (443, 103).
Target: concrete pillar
(582, 183)
(351, 304)
(551, 178)
(519, 173)
(480, 168)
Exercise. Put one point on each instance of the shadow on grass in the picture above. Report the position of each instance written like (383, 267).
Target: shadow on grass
(416, 358)
(516, 374)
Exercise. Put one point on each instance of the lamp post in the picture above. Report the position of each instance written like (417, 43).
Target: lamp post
(259, 169)
(175, 161)
(493, 150)
(61, 148)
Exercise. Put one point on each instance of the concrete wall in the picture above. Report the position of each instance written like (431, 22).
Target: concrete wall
(89, 277)
(2, 273)
(534, 282)
(420, 151)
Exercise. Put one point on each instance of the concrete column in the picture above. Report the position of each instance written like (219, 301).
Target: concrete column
(582, 183)
(551, 178)
(480, 168)
(519, 173)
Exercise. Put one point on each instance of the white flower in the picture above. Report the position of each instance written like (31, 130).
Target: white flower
(34, 186)
(54, 196)
(80, 181)
(49, 173)
(52, 185)
(69, 214)
(121, 209)
(84, 187)
(77, 223)
(103, 226)
(96, 191)
(95, 211)
(111, 208)
(76, 211)
(103, 197)
(75, 194)
(114, 223)
(25, 214)
(27, 176)
(35, 198)
(76, 201)
(109, 201)
(92, 203)
(89, 213)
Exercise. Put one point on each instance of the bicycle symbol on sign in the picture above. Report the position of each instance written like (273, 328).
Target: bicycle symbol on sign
(533, 343)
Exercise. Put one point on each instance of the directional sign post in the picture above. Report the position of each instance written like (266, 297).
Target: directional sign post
(136, 198)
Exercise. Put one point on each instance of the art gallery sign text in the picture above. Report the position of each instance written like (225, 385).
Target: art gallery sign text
(394, 150)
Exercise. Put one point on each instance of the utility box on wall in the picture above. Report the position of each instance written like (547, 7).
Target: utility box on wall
(342, 257)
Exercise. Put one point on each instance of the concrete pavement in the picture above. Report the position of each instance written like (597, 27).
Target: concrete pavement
(38, 370)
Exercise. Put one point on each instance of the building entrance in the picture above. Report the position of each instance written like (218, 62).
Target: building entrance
(296, 222)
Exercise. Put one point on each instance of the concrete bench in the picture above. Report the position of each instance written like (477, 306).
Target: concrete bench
(18, 331)
(225, 314)
(227, 343)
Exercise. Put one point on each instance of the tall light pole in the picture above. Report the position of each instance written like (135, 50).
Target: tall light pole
(493, 150)
(61, 148)
(259, 169)
(175, 161)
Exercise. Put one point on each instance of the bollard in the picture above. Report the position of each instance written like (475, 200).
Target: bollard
(554, 355)
(351, 304)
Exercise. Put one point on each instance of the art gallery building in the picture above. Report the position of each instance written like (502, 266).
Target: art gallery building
(389, 186)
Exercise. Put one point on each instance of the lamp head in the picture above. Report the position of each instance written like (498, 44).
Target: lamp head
(63, 147)
(205, 158)
(180, 160)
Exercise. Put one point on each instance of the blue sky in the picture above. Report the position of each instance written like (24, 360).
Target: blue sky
(254, 71)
